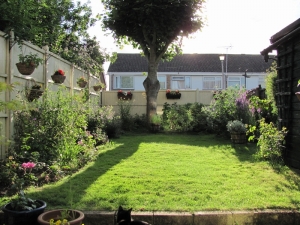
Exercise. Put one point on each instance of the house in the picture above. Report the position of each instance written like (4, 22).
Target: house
(190, 71)
(287, 44)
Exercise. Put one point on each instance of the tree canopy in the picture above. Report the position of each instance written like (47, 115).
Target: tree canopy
(154, 26)
(60, 24)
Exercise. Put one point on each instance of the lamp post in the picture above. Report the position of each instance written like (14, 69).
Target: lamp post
(223, 76)
(246, 76)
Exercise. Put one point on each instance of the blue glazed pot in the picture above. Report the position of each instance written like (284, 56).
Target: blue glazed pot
(12, 217)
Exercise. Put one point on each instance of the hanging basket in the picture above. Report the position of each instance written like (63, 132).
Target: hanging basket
(82, 84)
(33, 90)
(25, 69)
(238, 138)
(97, 88)
(58, 79)
(34, 94)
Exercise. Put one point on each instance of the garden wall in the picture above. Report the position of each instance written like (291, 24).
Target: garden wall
(9, 56)
(139, 101)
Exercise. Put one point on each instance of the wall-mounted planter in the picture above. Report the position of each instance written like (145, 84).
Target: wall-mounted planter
(124, 96)
(173, 95)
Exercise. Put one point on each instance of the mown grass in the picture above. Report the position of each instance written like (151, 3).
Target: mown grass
(175, 172)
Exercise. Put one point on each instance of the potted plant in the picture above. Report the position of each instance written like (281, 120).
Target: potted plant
(173, 94)
(58, 76)
(123, 95)
(35, 92)
(23, 210)
(298, 93)
(237, 131)
(61, 216)
(98, 86)
(155, 122)
(82, 82)
(28, 63)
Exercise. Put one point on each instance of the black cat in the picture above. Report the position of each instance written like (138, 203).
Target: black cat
(124, 218)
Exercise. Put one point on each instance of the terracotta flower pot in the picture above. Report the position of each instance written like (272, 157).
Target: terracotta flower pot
(76, 216)
(12, 217)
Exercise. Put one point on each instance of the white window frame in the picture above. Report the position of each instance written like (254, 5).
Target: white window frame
(118, 82)
(215, 83)
(186, 82)
(236, 80)
(162, 81)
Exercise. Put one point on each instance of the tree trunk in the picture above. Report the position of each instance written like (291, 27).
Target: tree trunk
(152, 86)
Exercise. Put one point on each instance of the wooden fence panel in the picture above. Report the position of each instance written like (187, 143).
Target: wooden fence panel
(139, 101)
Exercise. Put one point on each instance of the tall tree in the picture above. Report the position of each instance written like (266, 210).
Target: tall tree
(61, 24)
(156, 27)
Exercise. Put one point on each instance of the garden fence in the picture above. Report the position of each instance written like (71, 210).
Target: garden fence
(42, 75)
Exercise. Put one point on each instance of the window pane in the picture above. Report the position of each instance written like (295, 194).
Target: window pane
(162, 85)
(233, 83)
(178, 84)
(211, 83)
(162, 82)
(127, 82)
(187, 83)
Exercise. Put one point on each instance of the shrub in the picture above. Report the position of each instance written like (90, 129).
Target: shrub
(113, 127)
(270, 142)
(125, 116)
(224, 108)
(236, 126)
(271, 87)
(177, 118)
(198, 117)
(53, 134)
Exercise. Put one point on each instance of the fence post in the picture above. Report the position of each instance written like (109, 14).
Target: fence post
(45, 68)
(72, 79)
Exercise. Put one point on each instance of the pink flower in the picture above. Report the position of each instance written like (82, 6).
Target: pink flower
(28, 165)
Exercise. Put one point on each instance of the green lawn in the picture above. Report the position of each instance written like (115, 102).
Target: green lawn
(175, 172)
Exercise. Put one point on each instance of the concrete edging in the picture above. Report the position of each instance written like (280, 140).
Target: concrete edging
(255, 217)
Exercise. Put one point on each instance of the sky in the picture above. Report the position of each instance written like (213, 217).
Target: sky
(232, 26)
